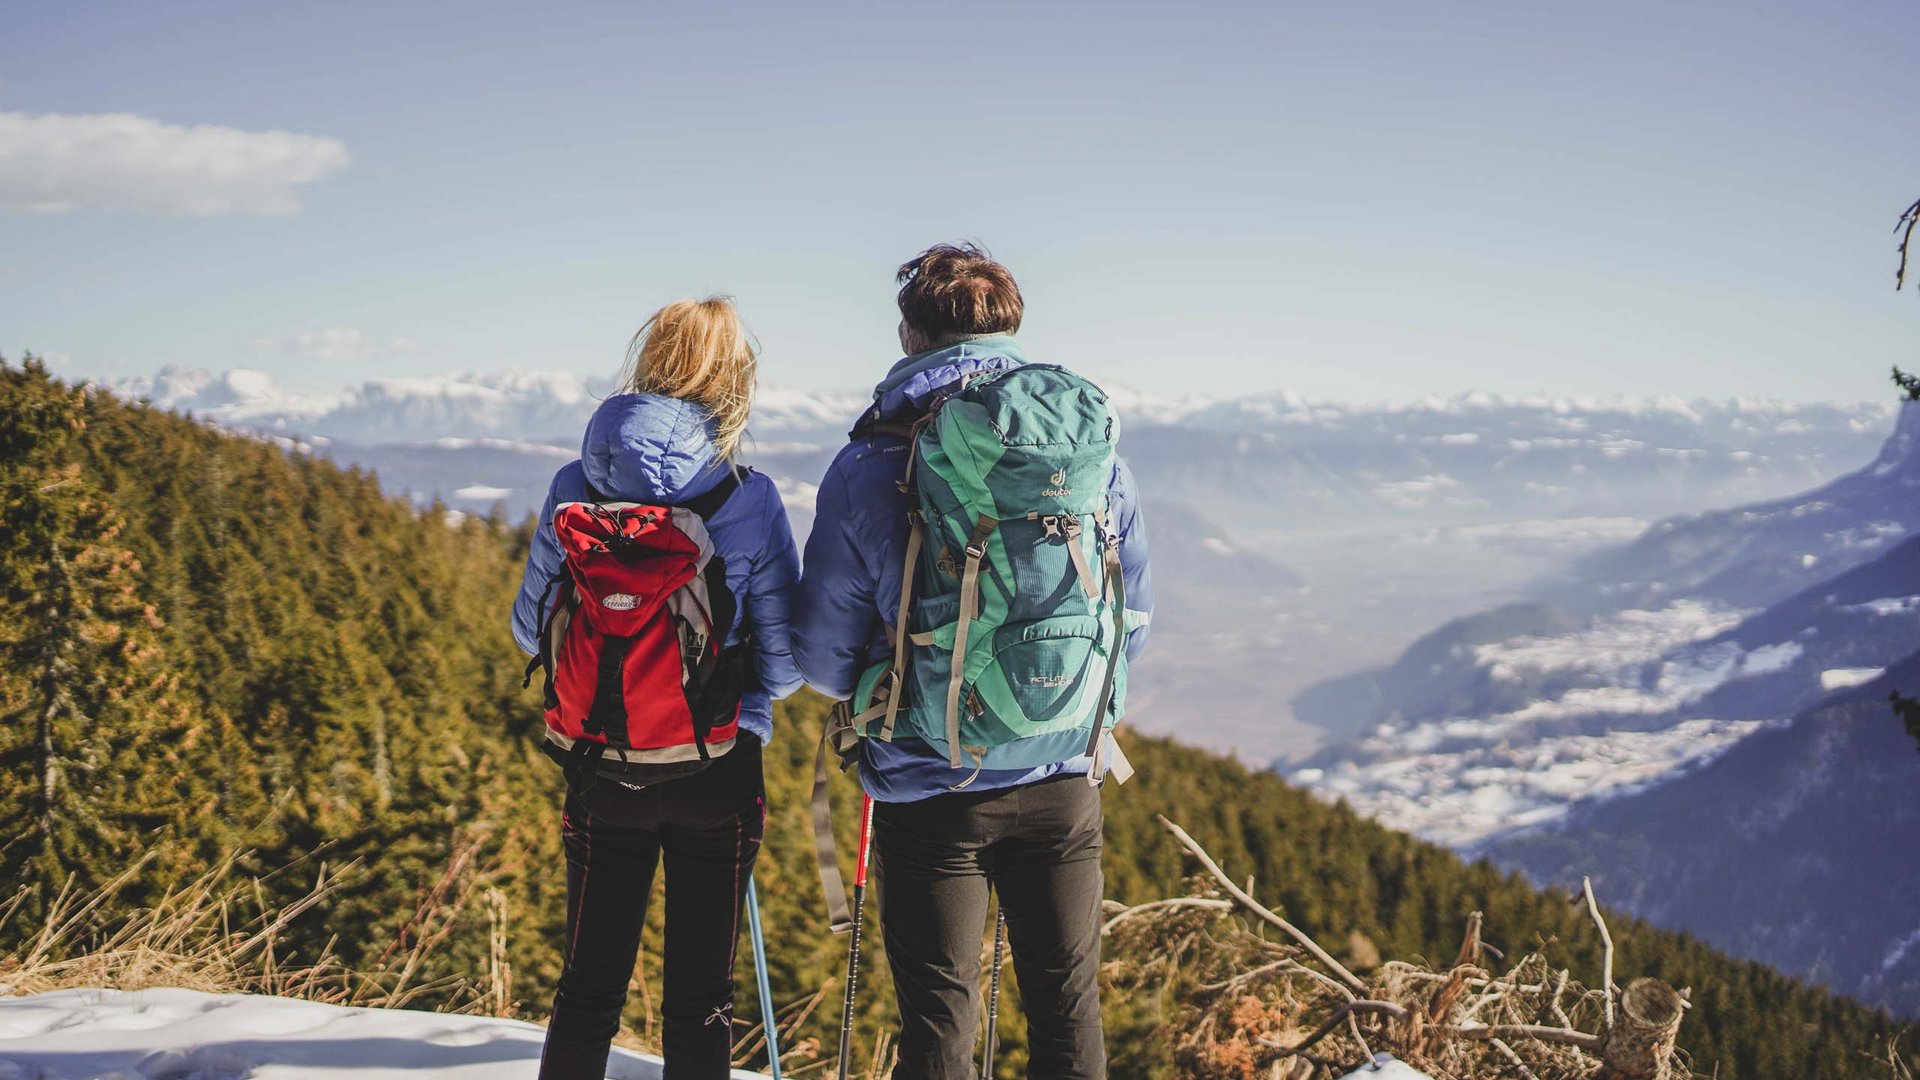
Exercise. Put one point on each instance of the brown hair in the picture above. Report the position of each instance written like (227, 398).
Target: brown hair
(698, 351)
(952, 291)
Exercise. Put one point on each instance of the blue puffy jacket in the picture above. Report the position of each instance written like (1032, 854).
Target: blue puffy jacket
(854, 558)
(653, 449)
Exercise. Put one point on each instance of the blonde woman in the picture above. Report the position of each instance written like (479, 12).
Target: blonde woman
(668, 439)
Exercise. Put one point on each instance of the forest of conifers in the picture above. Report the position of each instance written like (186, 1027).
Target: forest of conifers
(212, 643)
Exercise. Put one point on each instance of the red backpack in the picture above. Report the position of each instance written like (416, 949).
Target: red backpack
(640, 686)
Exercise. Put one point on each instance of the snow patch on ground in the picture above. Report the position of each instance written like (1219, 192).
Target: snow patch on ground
(188, 1035)
(1386, 1067)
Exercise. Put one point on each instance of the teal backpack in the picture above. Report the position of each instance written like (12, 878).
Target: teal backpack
(1009, 645)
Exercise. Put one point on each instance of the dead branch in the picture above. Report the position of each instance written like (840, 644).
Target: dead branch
(1606, 950)
(1905, 227)
(1511, 1055)
(1161, 905)
(1561, 1036)
(1350, 1009)
(1193, 847)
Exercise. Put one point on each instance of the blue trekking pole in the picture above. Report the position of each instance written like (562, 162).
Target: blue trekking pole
(760, 972)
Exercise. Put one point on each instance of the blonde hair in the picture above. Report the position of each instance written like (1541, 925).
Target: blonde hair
(698, 351)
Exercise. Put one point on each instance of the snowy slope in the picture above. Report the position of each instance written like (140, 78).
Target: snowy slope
(1795, 848)
(1500, 722)
(1754, 555)
(1471, 737)
(188, 1035)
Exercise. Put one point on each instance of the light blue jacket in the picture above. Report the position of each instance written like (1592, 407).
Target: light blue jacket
(854, 561)
(653, 449)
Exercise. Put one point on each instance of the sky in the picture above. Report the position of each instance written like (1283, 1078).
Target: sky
(1359, 200)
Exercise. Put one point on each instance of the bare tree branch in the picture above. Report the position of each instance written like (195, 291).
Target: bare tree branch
(1193, 848)
(1606, 950)
(1904, 228)
(1159, 905)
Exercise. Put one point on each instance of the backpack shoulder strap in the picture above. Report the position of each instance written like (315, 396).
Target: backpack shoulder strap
(705, 505)
(709, 504)
(904, 429)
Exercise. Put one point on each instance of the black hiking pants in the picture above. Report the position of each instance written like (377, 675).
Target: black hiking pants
(1039, 847)
(707, 828)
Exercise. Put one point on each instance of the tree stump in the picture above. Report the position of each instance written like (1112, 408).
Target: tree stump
(1640, 1044)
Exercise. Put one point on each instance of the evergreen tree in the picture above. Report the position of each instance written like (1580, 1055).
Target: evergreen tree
(91, 733)
(1909, 384)
(1908, 710)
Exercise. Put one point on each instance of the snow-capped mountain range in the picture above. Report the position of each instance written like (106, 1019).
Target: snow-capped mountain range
(1685, 717)
(1278, 460)
(1658, 654)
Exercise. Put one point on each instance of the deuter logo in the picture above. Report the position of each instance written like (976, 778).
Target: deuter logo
(620, 601)
(1058, 478)
(1059, 490)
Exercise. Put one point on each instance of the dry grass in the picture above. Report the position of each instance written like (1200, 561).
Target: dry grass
(218, 933)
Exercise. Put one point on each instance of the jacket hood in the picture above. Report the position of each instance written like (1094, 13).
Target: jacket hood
(650, 448)
(916, 380)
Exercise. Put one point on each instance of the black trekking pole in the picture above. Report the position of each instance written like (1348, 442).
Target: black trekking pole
(993, 992)
(853, 944)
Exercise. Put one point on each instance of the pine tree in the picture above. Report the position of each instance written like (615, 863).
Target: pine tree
(90, 732)
(1909, 384)
(1908, 710)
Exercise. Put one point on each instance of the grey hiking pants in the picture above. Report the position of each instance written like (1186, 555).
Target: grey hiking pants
(1039, 846)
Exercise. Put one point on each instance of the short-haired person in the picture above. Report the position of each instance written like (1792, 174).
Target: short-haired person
(942, 837)
(668, 438)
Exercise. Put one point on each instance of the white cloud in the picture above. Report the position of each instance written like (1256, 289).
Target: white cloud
(333, 343)
(337, 343)
(52, 164)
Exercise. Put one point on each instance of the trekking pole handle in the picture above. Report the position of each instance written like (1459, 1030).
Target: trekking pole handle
(866, 841)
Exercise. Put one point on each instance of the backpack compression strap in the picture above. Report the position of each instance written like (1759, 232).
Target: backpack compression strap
(916, 538)
(1100, 739)
(838, 735)
(969, 608)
